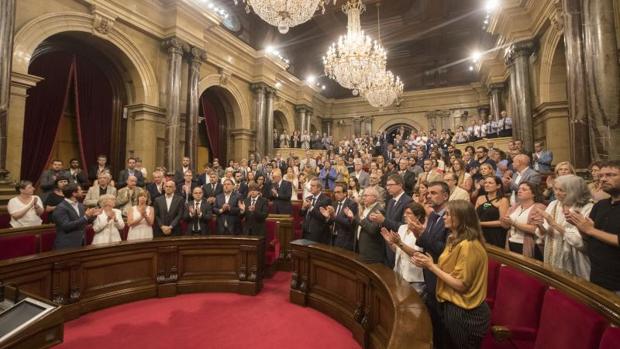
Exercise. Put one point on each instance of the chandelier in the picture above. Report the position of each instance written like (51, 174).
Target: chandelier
(285, 13)
(354, 60)
(383, 90)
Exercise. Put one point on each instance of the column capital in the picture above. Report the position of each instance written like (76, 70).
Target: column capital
(259, 87)
(496, 87)
(302, 108)
(195, 54)
(519, 49)
(174, 45)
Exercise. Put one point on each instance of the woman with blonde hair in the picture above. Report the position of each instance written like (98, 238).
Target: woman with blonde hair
(465, 180)
(561, 169)
(461, 273)
(564, 246)
(140, 219)
(109, 222)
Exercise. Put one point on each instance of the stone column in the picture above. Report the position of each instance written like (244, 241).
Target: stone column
(261, 122)
(309, 113)
(301, 112)
(602, 78)
(173, 118)
(576, 84)
(495, 99)
(7, 24)
(196, 57)
(328, 127)
(357, 127)
(269, 95)
(519, 59)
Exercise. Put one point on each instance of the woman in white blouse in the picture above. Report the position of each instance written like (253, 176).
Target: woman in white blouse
(140, 219)
(26, 208)
(564, 245)
(521, 222)
(108, 223)
(403, 243)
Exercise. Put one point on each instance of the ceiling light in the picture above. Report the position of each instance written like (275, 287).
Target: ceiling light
(491, 5)
(311, 79)
(476, 56)
(285, 14)
(471, 68)
(278, 85)
(323, 87)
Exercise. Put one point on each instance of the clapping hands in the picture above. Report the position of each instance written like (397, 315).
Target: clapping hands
(390, 236)
(422, 260)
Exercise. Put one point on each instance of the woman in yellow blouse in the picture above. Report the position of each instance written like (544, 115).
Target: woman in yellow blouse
(461, 278)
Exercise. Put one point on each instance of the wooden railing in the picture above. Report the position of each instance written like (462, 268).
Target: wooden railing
(378, 306)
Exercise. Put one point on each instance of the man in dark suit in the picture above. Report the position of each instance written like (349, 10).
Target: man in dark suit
(315, 225)
(227, 210)
(254, 210)
(47, 182)
(522, 173)
(343, 229)
(395, 208)
(71, 218)
(198, 214)
(130, 171)
(281, 192)
(179, 174)
(280, 163)
(76, 174)
(204, 178)
(241, 187)
(368, 239)
(212, 189)
(433, 240)
(156, 187)
(101, 166)
(168, 212)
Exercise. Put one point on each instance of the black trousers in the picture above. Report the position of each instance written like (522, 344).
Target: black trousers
(518, 248)
(464, 328)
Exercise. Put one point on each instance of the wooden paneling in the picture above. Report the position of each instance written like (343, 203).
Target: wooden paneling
(369, 299)
(96, 277)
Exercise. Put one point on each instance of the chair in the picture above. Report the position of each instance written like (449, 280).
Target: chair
(297, 219)
(5, 220)
(611, 338)
(17, 246)
(494, 267)
(90, 234)
(47, 240)
(565, 323)
(516, 310)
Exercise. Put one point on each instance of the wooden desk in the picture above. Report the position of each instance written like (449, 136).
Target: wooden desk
(96, 277)
(378, 306)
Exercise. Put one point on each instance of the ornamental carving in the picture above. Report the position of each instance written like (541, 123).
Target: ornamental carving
(102, 24)
(556, 17)
(225, 75)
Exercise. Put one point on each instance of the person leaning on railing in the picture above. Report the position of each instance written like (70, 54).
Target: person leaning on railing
(461, 278)
(26, 208)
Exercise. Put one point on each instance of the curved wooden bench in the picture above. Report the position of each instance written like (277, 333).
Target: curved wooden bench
(378, 306)
(95, 277)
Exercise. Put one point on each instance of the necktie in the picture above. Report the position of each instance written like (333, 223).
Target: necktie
(338, 208)
(253, 202)
(196, 213)
(313, 201)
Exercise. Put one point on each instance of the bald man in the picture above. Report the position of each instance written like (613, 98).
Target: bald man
(169, 209)
(522, 173)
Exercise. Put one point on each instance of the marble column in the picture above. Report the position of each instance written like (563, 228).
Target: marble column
(495, 99)
(519, 59)
(196, 57)
(309, 113)
(174, 47)
(357, 127)
(576, 84)
(301, 114)
(261, 122)
(602, 78)
(269, 95)
(7, 24)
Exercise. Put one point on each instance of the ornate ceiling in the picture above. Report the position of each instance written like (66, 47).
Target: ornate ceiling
(428, 41)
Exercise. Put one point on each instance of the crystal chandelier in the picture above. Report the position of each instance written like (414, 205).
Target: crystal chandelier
(285, 13)
(383, 90)
(354, 60)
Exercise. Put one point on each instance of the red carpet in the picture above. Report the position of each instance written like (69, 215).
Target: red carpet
(210, 320)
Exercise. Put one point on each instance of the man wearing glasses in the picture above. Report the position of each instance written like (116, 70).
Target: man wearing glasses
(315, 225)
(341, 226)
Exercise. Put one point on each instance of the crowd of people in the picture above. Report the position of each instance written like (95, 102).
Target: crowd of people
(420, 206)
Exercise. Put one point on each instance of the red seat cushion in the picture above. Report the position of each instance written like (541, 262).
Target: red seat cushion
(492, 281)
(90, 234)
(17, 246)
(124, 232)
(565, 323)
(518, 300)
(47, 240)
(611, 338)
(213, 226)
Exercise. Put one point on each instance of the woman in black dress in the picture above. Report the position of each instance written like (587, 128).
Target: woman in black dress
(490, 207)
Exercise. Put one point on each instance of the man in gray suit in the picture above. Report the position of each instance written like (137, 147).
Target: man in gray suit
(362, 176)
(368, 239)
(71, 218)
(542, 158)
(47, 182)
(523, 173)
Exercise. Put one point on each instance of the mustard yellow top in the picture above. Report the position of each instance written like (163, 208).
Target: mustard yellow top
(466, 261)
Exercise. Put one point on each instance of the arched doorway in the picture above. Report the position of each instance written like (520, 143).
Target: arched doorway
(217, 115)
(404, 129)
(280, 123)
(76, 111)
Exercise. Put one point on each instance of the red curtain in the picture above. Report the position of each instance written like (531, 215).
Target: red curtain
(212, 123)
(45, 105)
(94, 111)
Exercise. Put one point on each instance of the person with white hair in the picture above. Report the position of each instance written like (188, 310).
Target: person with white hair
(100, 188)
(109, 222)
(564, 245)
